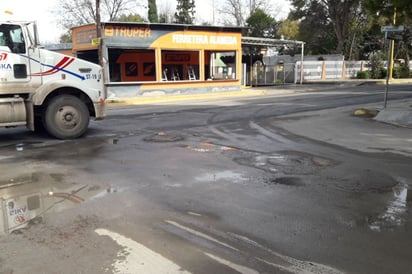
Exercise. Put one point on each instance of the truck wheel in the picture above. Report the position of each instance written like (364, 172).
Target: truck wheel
(66, 117)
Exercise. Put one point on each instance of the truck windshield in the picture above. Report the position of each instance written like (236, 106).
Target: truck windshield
(11, 36)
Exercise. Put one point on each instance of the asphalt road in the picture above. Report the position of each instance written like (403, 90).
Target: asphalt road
(208, 186)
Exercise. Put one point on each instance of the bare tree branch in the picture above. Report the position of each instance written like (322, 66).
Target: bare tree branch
(239, 10)
(81, 12)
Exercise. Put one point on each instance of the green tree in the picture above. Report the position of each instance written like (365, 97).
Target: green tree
(152, 12)
(336, 14)
(65, 38)
(315, 28)
(129, 18)
(185, 11)
(387, 8)
(289, 29)
(388, 12)
(261, 25)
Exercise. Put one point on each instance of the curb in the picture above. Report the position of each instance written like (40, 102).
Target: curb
(396, 116)
(183, 97)
(395, 81)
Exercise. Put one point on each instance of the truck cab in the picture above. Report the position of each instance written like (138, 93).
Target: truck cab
(46, 89)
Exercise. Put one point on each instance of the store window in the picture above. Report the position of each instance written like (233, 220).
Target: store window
(132, 65)
(220, 65)
(180, 65)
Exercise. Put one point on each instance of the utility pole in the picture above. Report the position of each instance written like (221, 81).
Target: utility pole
(99, 34)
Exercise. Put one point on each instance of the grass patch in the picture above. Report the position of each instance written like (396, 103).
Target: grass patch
(368, 113)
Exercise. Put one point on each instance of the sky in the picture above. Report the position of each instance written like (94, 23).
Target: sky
(42, 11)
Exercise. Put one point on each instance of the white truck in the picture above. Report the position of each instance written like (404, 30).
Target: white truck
(46, 89)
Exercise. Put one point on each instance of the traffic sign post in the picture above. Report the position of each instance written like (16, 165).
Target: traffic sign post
(392, 28)
(395, 37)
(385, 100)
(391, 33)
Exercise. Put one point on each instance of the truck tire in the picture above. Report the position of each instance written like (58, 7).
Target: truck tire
(66, 117)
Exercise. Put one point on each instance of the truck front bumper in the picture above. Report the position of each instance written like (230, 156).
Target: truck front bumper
(100, 110)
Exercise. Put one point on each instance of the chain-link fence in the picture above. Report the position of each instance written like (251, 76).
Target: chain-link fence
(290, 73)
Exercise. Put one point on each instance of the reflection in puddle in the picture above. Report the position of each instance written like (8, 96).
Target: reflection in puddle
(30, 198)
(223, 175)
(396, 211)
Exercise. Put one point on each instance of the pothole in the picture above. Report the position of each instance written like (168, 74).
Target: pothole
(287, 181)
(164, 137)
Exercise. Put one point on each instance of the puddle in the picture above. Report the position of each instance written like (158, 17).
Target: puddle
(227, 175)
(397, 210)
(288, 162)
(19, 147)
(27, 199)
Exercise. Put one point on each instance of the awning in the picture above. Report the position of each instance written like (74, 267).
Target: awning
(268, 42)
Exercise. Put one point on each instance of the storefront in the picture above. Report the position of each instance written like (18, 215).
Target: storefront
(143, 59)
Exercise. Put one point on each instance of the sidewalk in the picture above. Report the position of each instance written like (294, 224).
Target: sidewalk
(243, 92)
(390, 131)
(399, 113)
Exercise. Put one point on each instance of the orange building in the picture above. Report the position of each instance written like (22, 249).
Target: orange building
(143, 58)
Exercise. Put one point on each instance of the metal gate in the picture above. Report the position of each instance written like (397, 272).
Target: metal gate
(279, 74)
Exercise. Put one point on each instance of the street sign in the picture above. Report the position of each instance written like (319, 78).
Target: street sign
(392, 28)
(395, 37)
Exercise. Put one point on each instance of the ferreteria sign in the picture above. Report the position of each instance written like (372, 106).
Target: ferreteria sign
(199, 40)
(145, 37)
(157, 36)
(204, 39)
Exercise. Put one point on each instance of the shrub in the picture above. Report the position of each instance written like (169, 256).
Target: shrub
(405, 71)
(278, 82)
(401, 71)
(377, 69)
(363, 75)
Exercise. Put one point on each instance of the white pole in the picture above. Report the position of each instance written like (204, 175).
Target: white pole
(301, 63)
(214, 13)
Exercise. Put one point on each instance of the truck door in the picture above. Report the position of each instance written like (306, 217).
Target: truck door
(18, 60)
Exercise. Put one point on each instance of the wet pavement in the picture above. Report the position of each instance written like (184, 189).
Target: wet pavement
(236, 186)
